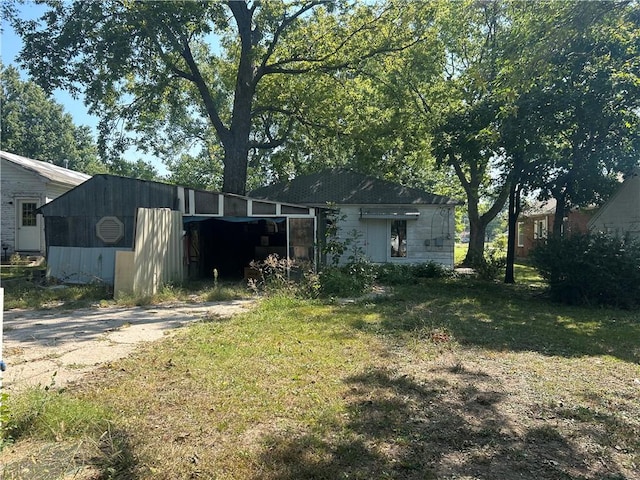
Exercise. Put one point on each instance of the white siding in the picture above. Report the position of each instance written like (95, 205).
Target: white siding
(621, 214)
(430, 238)
(18, 183)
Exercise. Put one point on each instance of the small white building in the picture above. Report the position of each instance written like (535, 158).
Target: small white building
(26, 185)
(620, 215)
(392, 223)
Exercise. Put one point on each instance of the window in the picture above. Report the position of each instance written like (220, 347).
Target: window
(540, 229)
(521, 234)
(29, 214)
(399, 238)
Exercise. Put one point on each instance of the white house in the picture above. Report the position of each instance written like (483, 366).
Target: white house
(394, 224)
(620, 215)
(26, 185)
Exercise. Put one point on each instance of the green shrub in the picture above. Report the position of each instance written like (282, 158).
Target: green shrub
(431, 270)
(352, 279)
(491, 266)
(284, 276)
(395, 274)
(408, 274)
(591, 269)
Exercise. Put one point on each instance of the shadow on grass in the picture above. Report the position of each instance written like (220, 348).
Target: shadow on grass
(502, 317)
(396, 427)
(116, 459)
(111, 457)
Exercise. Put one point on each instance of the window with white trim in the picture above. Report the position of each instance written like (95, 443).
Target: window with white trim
(540, 229)
(521, 234)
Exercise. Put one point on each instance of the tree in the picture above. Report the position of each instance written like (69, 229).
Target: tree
(573, 123)
(579, 61)
(199, 66)
(35, 126)
(467, 108)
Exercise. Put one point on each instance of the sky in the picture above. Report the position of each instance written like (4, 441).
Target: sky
(10, 45)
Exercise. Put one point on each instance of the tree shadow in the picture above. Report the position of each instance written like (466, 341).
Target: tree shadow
(116, 460)
(110, 457)
(450, 425)
(502, 318)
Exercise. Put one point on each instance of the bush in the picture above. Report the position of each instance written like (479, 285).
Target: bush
(284, 276)
(491, 266)
(408, 274)
(352, 279)
(591, 270)
(394, 274)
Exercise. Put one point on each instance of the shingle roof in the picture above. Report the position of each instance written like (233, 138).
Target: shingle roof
(47, 170)
(346, 187)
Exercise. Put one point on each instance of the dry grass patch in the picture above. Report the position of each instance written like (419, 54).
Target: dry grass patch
(445, 379)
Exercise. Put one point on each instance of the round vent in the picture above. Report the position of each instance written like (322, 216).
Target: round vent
(110, 229)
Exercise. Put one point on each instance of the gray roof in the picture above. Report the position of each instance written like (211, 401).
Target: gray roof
(346, 187)
(47, 170)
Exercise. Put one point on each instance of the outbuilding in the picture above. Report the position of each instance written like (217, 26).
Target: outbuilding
(391, 223)
(87, 226)
(27, 184)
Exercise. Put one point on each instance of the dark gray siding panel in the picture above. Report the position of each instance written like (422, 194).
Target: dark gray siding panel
(105, 195)
(81, 232)
(206, 202)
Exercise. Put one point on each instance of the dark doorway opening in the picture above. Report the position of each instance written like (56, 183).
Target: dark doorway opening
(229, 244)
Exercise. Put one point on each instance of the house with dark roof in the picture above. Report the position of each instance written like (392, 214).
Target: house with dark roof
(390, 222)
(536, 221)
(26, 185)
(620, 215)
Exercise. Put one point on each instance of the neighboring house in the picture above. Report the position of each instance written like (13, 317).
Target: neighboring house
(86, 227)
(27, 185)
(393, 223)
(620, 215)
(537, 221)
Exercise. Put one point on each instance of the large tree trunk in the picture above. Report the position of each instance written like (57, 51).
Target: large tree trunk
(478, 224)
(236, 144)
(235, 169)
(477, 234)
(514, 213)
(558, 218)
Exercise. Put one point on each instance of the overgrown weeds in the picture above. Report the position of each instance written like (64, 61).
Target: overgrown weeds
(443, 378)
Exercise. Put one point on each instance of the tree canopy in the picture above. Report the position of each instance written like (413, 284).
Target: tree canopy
(175, 73)
(491, 99)
(35, 126)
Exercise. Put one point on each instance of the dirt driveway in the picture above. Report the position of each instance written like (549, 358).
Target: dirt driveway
(39, 344)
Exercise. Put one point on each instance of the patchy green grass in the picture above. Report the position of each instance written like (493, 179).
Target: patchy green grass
(444, 379)
(29, 293)
(460, 252)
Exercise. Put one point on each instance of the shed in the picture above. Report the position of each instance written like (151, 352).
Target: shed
(620, 215)
(393, 223)
(89, 224)
(28, 184)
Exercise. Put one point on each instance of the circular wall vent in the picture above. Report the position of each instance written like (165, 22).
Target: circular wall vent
(110, 229)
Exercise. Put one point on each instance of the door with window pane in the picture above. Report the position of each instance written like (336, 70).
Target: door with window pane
(28, 226)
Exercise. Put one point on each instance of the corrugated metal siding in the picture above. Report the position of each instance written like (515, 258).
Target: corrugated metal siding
(77, 231)
(82, 265)
(158, 249)
(105, 195)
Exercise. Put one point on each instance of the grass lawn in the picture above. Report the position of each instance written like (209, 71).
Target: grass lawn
(441, 380)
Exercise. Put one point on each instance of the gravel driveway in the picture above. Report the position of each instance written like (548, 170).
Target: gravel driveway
(39, 344)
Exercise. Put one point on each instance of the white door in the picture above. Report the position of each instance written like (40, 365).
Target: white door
(28, 226)
(377, 240)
